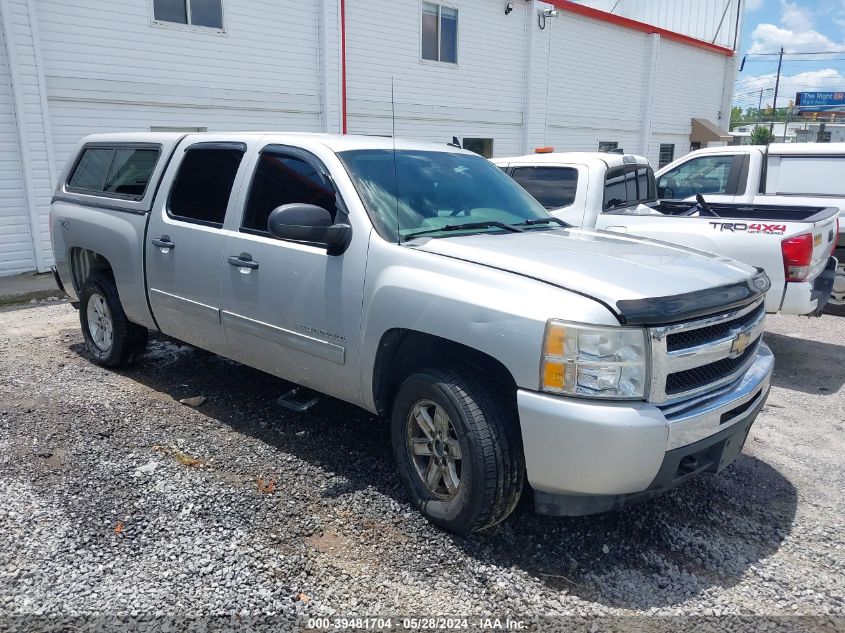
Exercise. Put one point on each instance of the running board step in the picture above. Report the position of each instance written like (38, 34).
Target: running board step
(299, 399)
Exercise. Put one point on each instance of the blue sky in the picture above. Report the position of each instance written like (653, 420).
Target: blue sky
(799, 26)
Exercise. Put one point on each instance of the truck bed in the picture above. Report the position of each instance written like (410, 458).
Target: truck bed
(745, 211)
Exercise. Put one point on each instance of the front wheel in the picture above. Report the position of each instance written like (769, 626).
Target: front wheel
(836, 303)
(458, 448)
(111, 339)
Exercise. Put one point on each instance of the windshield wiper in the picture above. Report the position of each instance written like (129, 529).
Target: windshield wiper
(537, 221)
(466, 226)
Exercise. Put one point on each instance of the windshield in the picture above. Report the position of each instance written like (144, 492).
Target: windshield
(430, 190)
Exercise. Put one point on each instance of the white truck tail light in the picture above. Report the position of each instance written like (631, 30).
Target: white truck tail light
(797, 254)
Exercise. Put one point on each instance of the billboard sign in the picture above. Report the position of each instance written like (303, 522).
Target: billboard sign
(820, 102)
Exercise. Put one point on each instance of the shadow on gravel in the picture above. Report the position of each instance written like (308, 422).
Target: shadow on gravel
(707, 533)
(808, 366)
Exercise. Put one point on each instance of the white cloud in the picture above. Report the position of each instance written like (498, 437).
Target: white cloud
(748, 88)
(753, 5)
(796, 33)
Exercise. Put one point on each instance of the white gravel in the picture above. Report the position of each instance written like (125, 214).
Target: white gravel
(117, 499)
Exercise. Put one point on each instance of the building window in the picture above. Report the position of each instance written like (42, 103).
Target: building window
(608, 146)
(481, 146)
(207, 13)
(667, 154)
(439, 33)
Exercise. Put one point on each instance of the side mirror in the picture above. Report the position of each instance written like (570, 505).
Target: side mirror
(309, 223)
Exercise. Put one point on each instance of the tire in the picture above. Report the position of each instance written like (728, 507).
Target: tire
(836, 303)
(111, 339)
(480, 484)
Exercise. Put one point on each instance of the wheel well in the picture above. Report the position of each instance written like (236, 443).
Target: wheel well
(402, 352)
(85, 262)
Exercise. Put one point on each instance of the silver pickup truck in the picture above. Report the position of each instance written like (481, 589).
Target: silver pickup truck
(421, 283)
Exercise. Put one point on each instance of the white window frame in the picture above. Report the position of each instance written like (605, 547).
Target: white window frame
(196, 28)
(437, 61)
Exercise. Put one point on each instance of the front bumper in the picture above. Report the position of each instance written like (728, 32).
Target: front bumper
(585, 456)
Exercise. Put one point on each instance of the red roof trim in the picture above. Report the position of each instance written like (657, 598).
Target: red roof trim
(618, 20)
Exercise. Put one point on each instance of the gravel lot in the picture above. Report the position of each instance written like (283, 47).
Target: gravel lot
(116, 498)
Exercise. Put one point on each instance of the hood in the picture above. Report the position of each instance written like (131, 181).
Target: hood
(640, 280)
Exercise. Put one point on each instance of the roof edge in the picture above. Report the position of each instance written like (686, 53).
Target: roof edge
(636, 25)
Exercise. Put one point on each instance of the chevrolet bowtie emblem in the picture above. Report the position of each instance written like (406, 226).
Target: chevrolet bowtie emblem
(739, 344)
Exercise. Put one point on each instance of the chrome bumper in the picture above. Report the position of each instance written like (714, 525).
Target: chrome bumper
(587, 447)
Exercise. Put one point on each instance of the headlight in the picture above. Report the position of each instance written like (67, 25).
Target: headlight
(594, 361)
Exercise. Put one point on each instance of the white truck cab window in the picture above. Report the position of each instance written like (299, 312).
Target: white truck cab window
(705, 174)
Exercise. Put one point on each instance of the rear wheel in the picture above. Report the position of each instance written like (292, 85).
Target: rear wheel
(458, 449)
(836, 304)
(111, 339)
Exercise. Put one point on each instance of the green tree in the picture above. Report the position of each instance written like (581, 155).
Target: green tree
(760, 135)
(736, 115)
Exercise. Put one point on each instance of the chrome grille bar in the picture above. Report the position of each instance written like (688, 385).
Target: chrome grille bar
(747, 334)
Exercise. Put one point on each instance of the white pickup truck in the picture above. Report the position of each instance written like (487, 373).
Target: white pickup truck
(810, 174)
(617, 192)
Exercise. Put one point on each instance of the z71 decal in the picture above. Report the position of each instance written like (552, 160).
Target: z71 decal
(756, 227)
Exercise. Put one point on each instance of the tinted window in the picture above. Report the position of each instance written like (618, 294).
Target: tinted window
(705, 174)
(628, 186)
(123, 171)
(281, 179)
(130, 171)
(553, 187)
(410, 190)
(204, 183)
(92, 169)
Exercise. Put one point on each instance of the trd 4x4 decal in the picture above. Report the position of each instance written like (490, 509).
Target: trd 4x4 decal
(755, 227)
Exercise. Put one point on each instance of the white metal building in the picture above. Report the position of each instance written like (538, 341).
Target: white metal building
(497, 74)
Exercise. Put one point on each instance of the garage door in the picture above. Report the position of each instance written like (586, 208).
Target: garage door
(16, 255)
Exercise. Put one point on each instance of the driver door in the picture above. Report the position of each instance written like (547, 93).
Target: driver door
(290, 308)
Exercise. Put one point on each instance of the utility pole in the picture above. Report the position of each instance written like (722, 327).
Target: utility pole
(775, 103)
(760, 106)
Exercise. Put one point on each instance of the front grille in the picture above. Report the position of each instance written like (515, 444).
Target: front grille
(691, 338)
(696, 377)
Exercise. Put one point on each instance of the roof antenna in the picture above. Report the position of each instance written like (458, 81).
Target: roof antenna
(395, 171)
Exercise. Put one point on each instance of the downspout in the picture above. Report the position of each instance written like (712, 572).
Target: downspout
(649, 82)
(343, 64)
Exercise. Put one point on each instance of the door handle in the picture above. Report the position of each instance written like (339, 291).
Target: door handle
(244, 260)
(164, 242)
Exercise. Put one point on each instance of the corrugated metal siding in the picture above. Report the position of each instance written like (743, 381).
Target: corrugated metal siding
(695, 18)
(689, 84)
(262, 73)
(481, 96)
(584, 109)
(15, 242)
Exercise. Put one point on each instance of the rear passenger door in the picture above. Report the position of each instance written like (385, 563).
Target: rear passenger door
(185, 240)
